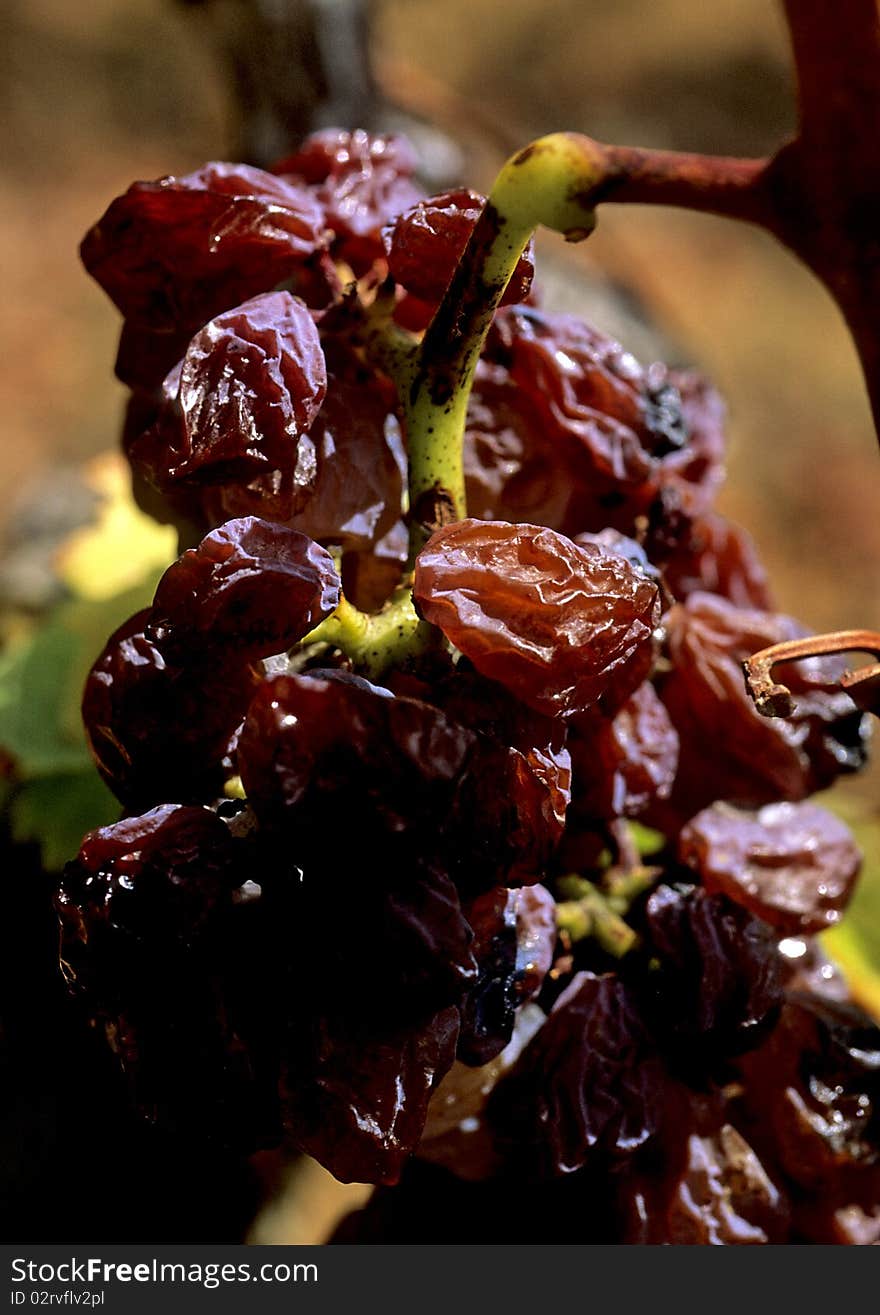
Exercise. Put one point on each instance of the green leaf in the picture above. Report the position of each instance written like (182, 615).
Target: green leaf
(56, 811)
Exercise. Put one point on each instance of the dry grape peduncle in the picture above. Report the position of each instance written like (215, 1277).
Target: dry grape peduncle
(773, 699)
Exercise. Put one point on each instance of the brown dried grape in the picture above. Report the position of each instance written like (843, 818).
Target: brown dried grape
(250, 588)
(701, 1184)
(588, 1083)
(361, 180)
(562, 627)
(619, 442)
(718, 985)
(622, 764)
(794, 865)
(426, 243)
(811, 1100)
(157, 730)
(729, 751)
(359, 454)
(174, 253)
(159, 942)
(511, 805)
(355, 1094)
(718, 557)
(246, 393)
(511, 471)
(370, 577)
(613, 541)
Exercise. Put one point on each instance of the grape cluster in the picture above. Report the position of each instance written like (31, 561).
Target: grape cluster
(376, 861)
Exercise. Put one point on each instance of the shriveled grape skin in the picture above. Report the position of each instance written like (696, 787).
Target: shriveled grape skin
(700, 1183)
(717, 987)
(718, 557)
(561, 627)
(155, 932)
(157, 729)
(589, 1082)
(250, 587)
(310, 744)
(810, 1101)
(729, 751)
(362, 181)
(793, 864)
(618, 441)
(622, 764)
(427, 241)
(511, 805)
(355, 1094)
(157, 875)
(246, 393)
(176, 252)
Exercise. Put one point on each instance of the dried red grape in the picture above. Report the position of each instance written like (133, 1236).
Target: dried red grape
(589, 1081)
(621, 764)
(811, 1097)
(157, 876)
(355, 1095)
(717, 988)
(362, 182)
(427, 241)
(510, 809)
(794, 865)
(561, 627)
(248, 388)
(567, 428)
(316, 749)
(701, 1184)
(250, 587)
(488, 1008)
(718, 557)
(729, 751)
(176, 252)
(159, 731)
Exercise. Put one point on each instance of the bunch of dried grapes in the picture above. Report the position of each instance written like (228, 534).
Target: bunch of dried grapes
(385, 903)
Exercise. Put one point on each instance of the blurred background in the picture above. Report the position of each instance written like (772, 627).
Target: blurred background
(96, 96)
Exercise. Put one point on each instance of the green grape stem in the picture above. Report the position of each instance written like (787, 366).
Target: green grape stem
(549, 182)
